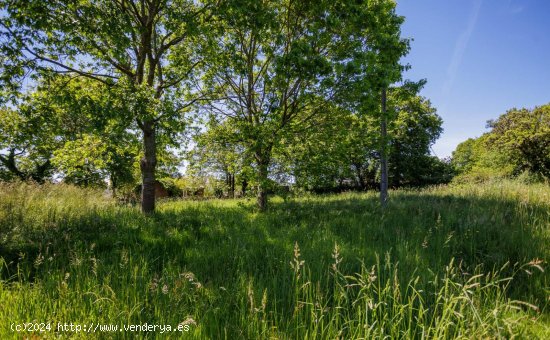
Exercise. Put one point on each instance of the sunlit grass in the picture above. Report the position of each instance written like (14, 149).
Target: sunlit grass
(447, 262)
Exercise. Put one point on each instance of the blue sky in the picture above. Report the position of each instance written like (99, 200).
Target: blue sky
(480, 57)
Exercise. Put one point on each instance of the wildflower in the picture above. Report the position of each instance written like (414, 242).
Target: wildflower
(192, 279)
(188, 276)
(425, 242)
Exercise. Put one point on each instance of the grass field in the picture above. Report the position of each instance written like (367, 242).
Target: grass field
(446, 262)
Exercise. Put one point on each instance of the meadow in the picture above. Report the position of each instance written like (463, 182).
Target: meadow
(459, 261)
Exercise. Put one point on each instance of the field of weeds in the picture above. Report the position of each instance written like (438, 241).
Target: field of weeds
(445, 262)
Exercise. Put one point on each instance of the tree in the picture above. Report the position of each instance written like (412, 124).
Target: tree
(342, 150)
(217, 153)
(518, 141)
(34, 129)
(390, 50)
(378, 47)
(270, 62)
(278, 64)
(319, 157)
(72, 125)
(465, 154)
(145, 48)
(414, 129)
(26, 146)
(97, 157)
(525, 135)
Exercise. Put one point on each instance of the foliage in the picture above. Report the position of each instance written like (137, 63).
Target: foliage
(72, 255)
(519, 141)
(525, 136)
(413, 130)
(342, 150)
(218, 152)
(144, 49)
(279, 64)
(200, 186)
(74, 125)
(262, 70)
(26, 144)
(475, 161)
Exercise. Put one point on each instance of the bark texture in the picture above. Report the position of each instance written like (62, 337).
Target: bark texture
(263, 163)
(148, 164)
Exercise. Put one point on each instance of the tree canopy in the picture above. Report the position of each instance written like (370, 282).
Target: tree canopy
(144, 48)
(303, 93)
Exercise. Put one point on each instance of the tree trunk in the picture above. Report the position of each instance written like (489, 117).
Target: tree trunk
(261, 198)
(37, 174)
(233, 185)
(230, 182)
(360, 178)
(114, 185)
(148, 164)
(383, 153)
(244, 186)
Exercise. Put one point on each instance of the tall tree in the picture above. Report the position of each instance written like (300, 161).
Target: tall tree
(276, 69)
(378, 49)
(145, 47)
(331, 152)
(383, 148)
(414, 128)
(342, 150)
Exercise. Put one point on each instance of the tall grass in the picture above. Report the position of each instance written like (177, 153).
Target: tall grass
(446, 262)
